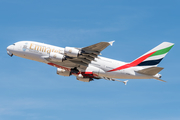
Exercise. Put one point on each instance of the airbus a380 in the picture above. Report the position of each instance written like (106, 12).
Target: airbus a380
(87, 64)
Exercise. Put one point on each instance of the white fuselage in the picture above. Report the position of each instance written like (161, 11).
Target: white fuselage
(99, 66)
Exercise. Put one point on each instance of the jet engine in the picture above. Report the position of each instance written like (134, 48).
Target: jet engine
(84, 79)
(63, 72)
(71, 52)
(81, 78)
(56, 57)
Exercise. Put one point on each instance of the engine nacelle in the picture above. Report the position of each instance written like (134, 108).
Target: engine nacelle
(71, 52)
(63, 72)
(56, 57)
(84, 79)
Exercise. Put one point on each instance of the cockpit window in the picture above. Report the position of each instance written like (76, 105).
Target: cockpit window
(13, 44)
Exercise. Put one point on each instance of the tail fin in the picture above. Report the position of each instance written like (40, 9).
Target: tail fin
(154, 56)
(149, 59)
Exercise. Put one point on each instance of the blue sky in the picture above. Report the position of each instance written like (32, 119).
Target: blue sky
(31, 90)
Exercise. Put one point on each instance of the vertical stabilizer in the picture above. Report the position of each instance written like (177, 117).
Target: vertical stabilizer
(154, 56)
(149, 59)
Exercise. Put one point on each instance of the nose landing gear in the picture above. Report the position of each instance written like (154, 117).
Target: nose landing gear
(9, 53)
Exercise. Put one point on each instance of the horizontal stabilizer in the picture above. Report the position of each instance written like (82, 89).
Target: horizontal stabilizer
(150, 71)
(160, 79)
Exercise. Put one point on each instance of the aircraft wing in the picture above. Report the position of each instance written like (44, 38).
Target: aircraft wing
(90, 53)
(97, 48)
(87, 55)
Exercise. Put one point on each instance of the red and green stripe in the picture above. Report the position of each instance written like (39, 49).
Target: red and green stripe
(162, 51)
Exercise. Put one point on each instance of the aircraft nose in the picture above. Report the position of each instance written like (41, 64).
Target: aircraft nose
(9, 48)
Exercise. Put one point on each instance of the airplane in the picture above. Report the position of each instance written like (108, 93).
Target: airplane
(87, 64)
